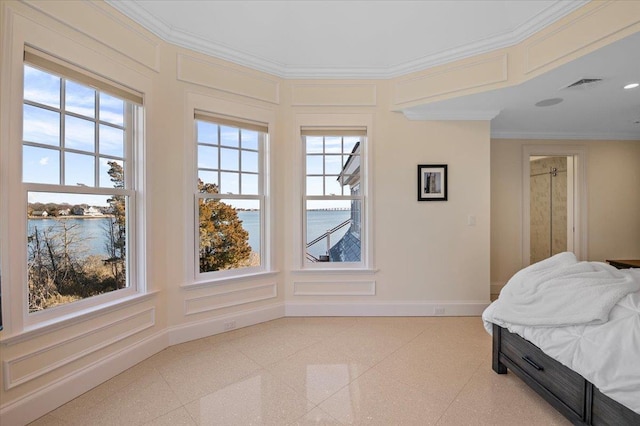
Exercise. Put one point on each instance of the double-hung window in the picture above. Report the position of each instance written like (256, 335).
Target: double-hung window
(229, 196)
(78, 174)
(334, 197)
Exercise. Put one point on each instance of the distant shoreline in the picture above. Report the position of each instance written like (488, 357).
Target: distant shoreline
(71, 216)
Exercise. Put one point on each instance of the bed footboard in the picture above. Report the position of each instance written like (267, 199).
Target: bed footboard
(567, 391)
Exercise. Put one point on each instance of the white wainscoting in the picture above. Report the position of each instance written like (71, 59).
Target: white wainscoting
(27, 367)
(334, 288)
(228, 297)
(210, 326)
(40, 401)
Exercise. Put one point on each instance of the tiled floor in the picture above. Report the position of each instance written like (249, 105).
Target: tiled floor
(326, 371)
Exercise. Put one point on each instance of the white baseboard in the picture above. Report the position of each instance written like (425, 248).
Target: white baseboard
(390, 309)
(45, 399)
(210, 326)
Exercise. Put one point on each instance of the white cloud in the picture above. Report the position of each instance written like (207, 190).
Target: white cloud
(44, 161)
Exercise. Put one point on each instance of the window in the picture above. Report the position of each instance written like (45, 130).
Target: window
(334, 197)
(229, 196)
(78, 175)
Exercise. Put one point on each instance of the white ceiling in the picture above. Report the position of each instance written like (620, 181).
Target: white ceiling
(385, 39)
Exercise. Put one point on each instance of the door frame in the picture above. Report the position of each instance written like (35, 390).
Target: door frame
(578, 207)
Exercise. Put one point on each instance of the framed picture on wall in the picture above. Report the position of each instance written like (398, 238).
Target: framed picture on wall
(432, 182)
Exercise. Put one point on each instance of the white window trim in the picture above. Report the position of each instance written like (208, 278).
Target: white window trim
(61, 312)
(329, 121)
(198, 104)
(17, 319)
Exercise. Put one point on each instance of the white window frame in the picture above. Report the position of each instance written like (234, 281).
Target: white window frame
(18, 322)
(241, 115)
(333, 124)
(131, 119)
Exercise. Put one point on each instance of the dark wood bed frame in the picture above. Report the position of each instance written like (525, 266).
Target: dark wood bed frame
(567, 391)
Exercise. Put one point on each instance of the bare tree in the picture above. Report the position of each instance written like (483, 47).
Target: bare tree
(55, 266)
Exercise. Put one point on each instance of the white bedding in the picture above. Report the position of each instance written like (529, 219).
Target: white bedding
(606, 354)
(561, 291)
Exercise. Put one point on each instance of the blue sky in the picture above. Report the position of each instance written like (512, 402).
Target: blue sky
(41, 164)
(240, 160)
(328, 160)
(236, 152)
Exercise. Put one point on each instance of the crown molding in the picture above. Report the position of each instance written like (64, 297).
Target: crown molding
(489, 44)
(452, 115)
(166, 32)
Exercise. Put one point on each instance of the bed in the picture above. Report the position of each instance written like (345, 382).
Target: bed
(571, 331)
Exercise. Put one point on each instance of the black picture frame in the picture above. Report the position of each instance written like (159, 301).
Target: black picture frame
(432, 182)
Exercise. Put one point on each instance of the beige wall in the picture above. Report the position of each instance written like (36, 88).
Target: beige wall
(613, 202)
(425, 255)
(426, 250)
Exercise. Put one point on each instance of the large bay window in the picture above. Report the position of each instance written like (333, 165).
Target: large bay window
(78, 178)
(229, 196)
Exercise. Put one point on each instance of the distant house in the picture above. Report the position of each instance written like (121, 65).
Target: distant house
(64, 212)
(77, 211)
(92, 211)
(39, 213)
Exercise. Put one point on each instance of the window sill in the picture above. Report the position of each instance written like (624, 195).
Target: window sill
(228, 279)
(61, 322)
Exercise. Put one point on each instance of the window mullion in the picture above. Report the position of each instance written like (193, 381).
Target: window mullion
(130, 157)
(240, 176)
(219, 148)
(340, 157)
(63, 119)
(324, 164)
(96, 140)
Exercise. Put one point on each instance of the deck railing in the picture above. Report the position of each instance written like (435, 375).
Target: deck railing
(326, 235)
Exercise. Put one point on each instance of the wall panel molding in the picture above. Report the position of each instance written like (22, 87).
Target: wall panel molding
(452, 78)
(228, 297)
(27, 367)
(215, 325)
(333, 94)
(334, 288)
(229, 79)
(591, 26)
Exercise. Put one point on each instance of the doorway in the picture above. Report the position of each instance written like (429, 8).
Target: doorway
(553, 194)
(551, 206)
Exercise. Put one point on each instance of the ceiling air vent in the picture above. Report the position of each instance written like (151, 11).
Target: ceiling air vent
(584, 83)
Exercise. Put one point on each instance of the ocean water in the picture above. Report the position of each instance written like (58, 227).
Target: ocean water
(318, 223)
(90, 232)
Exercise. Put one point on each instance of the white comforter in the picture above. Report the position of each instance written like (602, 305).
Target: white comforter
(606, 353)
